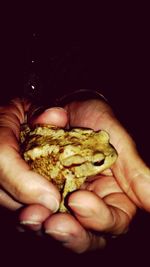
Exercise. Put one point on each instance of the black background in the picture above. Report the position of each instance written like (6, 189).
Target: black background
(96, 48)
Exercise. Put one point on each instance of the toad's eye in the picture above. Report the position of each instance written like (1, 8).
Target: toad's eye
(99, 163)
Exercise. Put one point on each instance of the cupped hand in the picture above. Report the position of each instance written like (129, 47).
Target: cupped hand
(107, 203)
(130, 172)
(19, 185)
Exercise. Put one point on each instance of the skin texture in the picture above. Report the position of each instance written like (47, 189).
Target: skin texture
(109, 201)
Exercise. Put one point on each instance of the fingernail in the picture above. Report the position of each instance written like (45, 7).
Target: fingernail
(49, 202)
(33, 114)
(54, 108)
(62, 236)
(36, 226)
(81, 210)
(30, 223)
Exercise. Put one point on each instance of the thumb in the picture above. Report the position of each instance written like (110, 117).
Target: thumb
(55, 116)
(132, 173)
(141, 187)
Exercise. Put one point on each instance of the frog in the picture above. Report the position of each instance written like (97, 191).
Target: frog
(67, 157)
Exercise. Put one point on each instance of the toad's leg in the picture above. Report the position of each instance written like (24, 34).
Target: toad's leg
(71, 185)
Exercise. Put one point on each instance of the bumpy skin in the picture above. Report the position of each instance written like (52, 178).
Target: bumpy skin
(66, 157)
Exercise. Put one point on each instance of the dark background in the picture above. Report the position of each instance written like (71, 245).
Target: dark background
(85, 47)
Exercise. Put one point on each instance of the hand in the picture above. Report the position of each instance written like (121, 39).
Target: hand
(18, 184)
(101, 206)
(130, 172)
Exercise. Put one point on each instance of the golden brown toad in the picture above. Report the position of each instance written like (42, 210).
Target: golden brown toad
(67, 157)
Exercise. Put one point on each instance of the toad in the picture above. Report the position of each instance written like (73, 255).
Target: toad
(66, 157)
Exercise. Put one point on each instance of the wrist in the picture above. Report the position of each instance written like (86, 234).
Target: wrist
(80, 95)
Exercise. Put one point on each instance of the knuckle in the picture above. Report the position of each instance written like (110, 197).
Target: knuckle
(24, 192)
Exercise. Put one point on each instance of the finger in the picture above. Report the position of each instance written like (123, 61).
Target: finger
(90, 210)
(107, 189)
(25, 185)
(54, 116)
(141, 186)
(133, 177)
(33, 216)
(123, 209)
(8, 202)
(99, 215)
(103, 186)
(64, 228)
